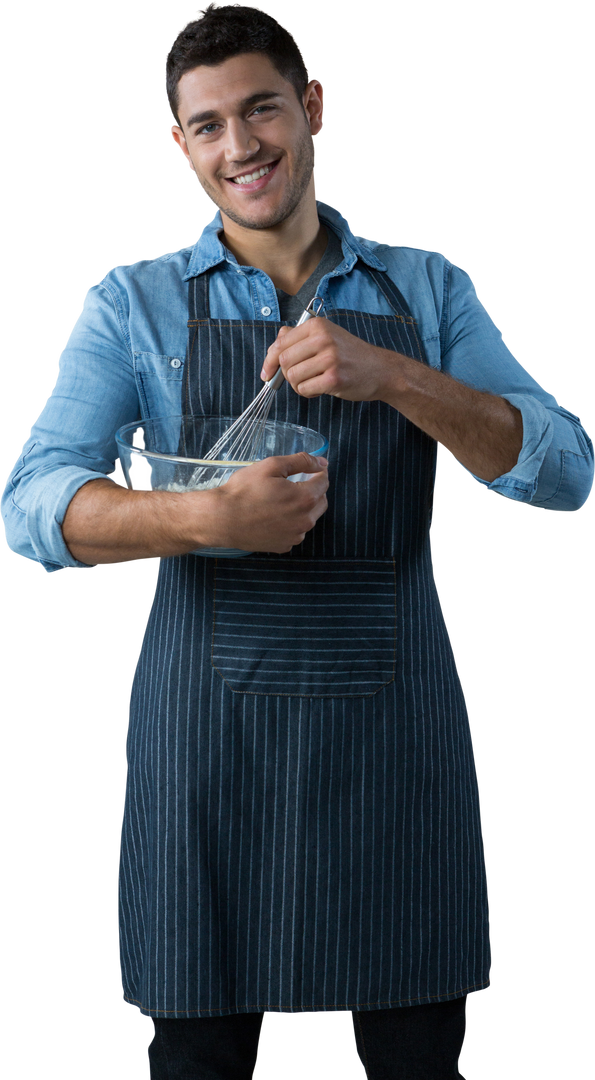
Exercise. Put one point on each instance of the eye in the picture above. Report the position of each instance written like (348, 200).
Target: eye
(207, 129)
(262, 108)
(201, 130)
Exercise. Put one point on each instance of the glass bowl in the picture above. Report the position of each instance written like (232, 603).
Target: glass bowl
(167, 454)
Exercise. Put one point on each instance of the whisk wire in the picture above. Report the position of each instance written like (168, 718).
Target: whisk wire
(242, 440)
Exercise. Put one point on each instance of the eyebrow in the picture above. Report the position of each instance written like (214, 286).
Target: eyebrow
(245, 103)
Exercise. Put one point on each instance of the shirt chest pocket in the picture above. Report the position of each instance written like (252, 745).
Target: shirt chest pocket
(305, 628)
(159, 383)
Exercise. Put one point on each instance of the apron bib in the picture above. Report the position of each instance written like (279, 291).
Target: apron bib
(325, 625)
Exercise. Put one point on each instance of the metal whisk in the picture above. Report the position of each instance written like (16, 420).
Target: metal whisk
(243, 439)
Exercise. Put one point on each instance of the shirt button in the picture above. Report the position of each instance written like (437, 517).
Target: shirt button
(175, 363)
(265, 311)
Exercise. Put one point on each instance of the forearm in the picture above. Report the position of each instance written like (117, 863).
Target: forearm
(482, 430)
(106, 523)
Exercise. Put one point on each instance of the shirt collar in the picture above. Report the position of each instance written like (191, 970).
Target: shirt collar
(207, 250)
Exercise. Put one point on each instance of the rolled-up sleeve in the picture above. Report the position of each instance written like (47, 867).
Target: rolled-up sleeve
(73, 441)
(554, 469)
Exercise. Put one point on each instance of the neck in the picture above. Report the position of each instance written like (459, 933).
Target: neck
(288, 252)
(289, 270)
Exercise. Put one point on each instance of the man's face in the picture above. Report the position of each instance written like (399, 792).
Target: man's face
(240, 118)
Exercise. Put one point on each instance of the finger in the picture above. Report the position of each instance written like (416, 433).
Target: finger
(306, 369)
(312, 389)
(287, 464)
(271, 361)
(270, 366)
(324, 383)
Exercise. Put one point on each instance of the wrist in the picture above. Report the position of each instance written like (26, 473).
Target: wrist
(393, 382)
(191, 519)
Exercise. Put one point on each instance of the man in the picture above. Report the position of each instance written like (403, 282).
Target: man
(301, 828)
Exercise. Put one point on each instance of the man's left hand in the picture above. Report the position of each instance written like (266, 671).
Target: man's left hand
(319, 357)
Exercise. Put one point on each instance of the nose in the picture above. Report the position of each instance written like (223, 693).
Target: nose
(241, 145)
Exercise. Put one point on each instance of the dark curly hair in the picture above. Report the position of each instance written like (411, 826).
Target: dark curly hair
(230, 31)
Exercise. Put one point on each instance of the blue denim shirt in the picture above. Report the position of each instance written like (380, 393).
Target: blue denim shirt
(125, 360)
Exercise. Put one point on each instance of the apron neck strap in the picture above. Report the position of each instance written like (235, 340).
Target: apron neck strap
(198, 297)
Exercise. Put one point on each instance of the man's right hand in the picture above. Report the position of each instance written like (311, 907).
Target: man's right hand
(259, 509)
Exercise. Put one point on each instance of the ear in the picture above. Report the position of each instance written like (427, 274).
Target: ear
(180, 138)
(312, 100)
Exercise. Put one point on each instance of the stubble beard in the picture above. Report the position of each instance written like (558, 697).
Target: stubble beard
(306, 162)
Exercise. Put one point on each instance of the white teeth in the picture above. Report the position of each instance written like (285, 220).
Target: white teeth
(248, 178)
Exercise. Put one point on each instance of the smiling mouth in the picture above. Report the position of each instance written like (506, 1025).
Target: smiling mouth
(249, 178)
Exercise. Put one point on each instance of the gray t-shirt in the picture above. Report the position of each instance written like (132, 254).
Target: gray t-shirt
(291, 308)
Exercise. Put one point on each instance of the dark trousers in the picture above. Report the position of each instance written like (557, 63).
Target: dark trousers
(417, 1042)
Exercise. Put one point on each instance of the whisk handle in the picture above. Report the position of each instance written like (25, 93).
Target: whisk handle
(276, 380)
(278, 377)
(311, 311)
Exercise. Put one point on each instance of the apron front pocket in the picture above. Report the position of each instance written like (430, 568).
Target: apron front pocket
(305, 627)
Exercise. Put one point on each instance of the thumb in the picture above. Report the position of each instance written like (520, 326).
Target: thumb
(288, 464)
(306, 462)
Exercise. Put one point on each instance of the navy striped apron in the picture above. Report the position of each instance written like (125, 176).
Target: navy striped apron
(302, 828)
